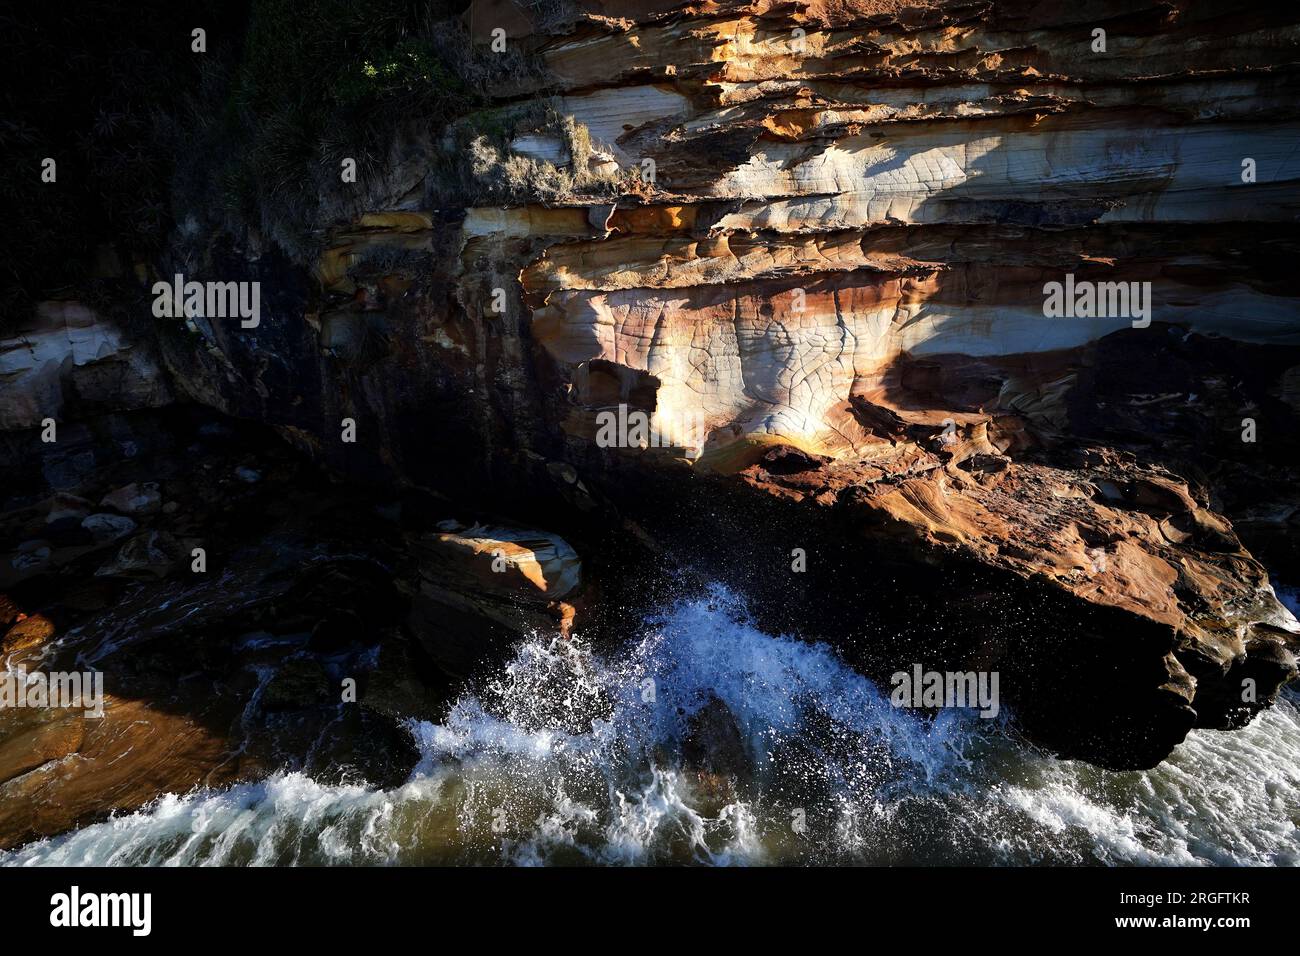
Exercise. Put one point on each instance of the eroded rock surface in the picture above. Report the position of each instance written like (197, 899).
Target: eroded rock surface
(65, 360)
(809, 243)
(840, 261)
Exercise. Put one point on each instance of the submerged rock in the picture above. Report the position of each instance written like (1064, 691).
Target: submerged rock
(714, 744)
(299, 682)
(28, 633)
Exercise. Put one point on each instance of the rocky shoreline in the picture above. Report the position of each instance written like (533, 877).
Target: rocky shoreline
(836, 268)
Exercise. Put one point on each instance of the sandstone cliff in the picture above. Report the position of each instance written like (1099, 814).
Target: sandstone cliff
(810, 242)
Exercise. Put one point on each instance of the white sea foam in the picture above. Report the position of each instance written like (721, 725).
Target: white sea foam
(563, 759)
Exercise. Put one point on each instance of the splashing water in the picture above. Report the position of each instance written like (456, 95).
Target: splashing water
(568, 757)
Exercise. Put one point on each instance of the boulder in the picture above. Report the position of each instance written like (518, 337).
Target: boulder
(108, 527)
(135, 499)
(27, 634)
(475, 588)
(153, 554)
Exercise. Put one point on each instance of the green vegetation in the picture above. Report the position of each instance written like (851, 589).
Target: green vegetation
(489, 170)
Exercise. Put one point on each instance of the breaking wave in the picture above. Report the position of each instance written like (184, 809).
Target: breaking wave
(573, 757)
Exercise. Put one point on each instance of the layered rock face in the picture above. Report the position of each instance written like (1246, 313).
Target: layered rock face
(856, 214)
(821, 276)
(811, 244)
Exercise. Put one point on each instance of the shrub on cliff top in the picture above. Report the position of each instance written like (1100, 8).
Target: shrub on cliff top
(317, 82)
